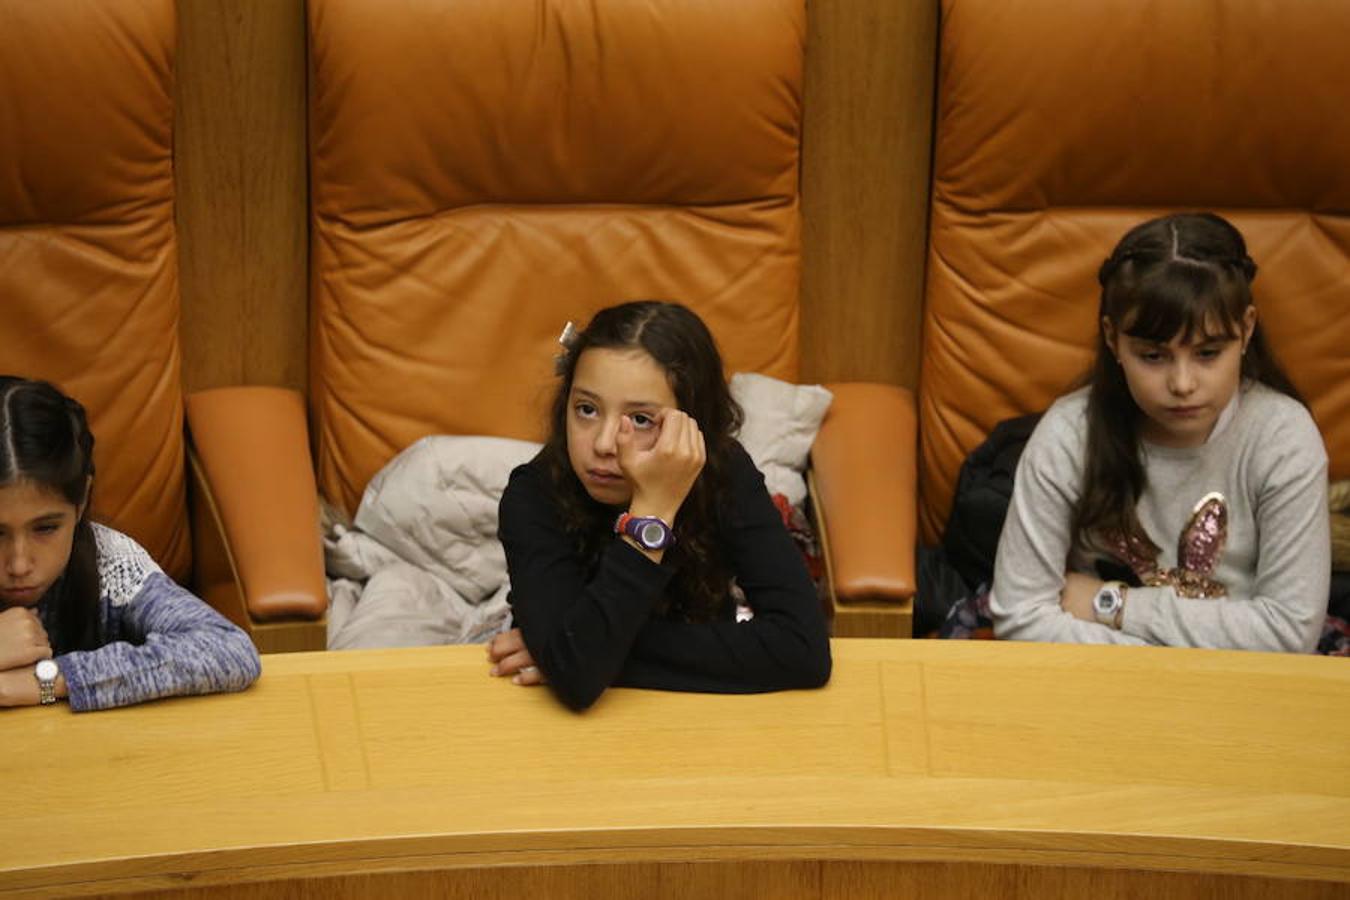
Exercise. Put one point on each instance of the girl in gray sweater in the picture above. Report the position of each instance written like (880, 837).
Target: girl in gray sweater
(85, 614)
(1187, 468)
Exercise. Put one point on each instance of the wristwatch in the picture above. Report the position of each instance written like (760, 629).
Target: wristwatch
(649, 531)
(1109, 603)
(45, 672)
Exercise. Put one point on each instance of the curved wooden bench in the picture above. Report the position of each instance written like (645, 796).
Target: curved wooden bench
(1017, 769)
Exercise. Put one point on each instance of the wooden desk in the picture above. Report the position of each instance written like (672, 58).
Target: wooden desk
(940, 769)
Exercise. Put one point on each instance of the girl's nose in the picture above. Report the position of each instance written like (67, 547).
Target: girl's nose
(1181, 378)
(18, 559)
(606, 437)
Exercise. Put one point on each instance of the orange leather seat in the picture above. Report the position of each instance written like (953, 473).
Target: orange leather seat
(484, 172)
(89, 281)
(1061, 125)
(88, 261)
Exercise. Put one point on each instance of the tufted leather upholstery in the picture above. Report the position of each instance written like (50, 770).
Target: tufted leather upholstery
(1060, 126)
(483, 172)
(88, 258)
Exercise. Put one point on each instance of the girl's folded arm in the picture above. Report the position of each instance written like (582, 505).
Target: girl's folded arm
(171, 643)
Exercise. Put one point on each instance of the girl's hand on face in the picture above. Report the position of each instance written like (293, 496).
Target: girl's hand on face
(509, 656)
(23, 640)
(1076, 598)
(663, 474)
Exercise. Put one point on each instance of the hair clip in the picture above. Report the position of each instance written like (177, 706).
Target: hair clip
(568, 340)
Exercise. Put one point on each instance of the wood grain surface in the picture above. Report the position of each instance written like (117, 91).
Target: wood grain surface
(241, 180)
(870, 69)
(983, 756)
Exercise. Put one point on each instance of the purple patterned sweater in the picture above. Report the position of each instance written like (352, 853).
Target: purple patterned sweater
(159, 639)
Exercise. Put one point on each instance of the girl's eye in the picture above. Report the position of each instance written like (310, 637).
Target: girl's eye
(642, 420)
(1151, 356)
(47, 528)
(585, 410)
(1208, 353)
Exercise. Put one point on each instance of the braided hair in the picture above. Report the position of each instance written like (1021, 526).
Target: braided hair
(1185, 274)
(45, 440)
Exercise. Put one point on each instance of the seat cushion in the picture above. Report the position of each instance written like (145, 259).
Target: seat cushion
(1062, 125)
(484, 172)
(88, 258)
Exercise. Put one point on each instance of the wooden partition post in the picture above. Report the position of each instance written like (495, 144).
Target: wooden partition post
(870, 68)
(239, 153)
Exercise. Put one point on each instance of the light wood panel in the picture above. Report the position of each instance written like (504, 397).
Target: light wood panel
(870, 68)
(242, 195)
(368, 766)
(751, 880)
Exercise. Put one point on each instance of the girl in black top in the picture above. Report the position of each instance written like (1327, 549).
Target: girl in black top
(634, 533)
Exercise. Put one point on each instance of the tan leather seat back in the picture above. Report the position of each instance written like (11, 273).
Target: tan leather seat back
(1060, 125)
(88, 258)
(483, 172)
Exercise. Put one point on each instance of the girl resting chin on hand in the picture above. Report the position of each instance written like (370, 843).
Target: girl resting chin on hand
(85, 614)
(624, 535)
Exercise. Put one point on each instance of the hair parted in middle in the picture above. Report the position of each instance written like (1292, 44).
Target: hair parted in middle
(1186, 274)
(45, 439)
(681, 344)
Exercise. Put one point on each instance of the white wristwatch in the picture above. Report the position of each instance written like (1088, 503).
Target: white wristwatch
(1109, 603)
(45, 672)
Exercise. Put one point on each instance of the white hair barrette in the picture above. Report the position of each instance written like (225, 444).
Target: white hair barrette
(568, 340)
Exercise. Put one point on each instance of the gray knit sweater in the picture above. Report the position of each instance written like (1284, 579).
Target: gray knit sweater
(1265, 588)
(159, 640)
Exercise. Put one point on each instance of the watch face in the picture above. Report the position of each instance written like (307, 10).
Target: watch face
(1106, 601)
(47, 670)
(652, 535)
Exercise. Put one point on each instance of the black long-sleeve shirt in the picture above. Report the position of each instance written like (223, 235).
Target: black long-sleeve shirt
(586, 633)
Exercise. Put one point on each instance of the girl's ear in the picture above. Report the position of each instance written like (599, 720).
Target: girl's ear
(1248, 326)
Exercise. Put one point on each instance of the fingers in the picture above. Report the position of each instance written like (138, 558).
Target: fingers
(528, 676)
(23, 640)
(673, 424)
(512, 664)
(694, 444)
(520, 668)
(505, 644)
(511, 658)
(623, 443)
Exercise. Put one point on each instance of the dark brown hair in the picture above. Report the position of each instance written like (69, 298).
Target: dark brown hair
(45, 440)
(1182, 274)
(676, 338)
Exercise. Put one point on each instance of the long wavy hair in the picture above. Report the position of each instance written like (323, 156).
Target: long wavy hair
(681, 344)
(45, 440)
(1184, 274)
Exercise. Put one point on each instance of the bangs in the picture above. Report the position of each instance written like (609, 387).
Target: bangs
(1181, 298)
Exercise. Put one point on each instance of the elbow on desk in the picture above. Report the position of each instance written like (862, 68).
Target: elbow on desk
(577, 697)
(815, 667)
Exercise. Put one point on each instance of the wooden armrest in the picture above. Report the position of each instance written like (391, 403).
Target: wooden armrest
(251, 453)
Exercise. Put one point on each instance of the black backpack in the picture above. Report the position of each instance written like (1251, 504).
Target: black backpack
(980, 505)
(964, 561)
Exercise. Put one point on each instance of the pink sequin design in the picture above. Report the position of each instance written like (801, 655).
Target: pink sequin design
(1198, 551)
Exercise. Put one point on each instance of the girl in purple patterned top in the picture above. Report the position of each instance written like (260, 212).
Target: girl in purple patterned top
(85, 614)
